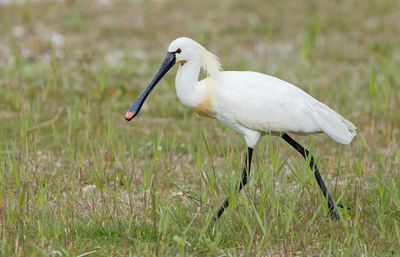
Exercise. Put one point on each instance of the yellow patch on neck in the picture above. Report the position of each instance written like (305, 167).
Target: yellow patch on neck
(204, 107)
(181, 62)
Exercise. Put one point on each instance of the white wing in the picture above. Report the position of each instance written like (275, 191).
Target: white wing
(267, 104)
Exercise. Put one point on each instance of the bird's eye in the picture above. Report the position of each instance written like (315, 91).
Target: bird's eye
(178, 50)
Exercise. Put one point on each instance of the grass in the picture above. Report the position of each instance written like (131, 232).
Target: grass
(77, 179)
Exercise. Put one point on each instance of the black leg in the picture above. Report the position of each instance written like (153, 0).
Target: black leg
(243, 182)
(304, 152)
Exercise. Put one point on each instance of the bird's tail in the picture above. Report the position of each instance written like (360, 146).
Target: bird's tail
(333, 124)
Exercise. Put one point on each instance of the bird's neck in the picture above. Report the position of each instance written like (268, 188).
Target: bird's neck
(186, 82)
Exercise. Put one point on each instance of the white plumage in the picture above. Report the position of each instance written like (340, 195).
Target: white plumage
(251, 103)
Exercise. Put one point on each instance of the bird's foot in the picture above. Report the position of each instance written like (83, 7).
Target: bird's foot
(343, 207)
(334, 214)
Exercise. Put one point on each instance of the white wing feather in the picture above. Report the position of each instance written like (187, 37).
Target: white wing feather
(332, 123)
(267, 104)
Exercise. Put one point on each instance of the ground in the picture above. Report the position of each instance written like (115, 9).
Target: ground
(77, 179)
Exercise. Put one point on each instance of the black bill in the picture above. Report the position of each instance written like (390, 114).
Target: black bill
(169, 61)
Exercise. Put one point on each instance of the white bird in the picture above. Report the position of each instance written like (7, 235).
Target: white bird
(251, 103)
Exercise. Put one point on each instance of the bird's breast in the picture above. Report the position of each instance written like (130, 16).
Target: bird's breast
(205, 106)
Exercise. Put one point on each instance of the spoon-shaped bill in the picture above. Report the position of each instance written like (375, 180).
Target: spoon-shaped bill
(169, 61)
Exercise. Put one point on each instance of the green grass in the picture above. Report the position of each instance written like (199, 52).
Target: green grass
(76, 178)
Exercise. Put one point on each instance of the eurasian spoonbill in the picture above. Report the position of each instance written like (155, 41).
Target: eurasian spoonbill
(251, 103)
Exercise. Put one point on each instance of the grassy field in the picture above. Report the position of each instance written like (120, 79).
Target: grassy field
(77, 179)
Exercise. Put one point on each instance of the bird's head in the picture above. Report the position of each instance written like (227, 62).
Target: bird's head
(185, 49)
(181, 51)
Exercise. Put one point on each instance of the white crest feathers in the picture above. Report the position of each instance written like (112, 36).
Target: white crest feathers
(210, 63)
